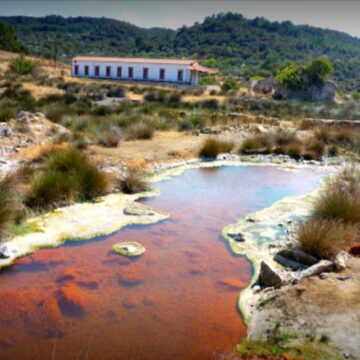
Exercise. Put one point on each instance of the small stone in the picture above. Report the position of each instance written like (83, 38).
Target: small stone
(343, 277)
(340, 260)
(237, 236)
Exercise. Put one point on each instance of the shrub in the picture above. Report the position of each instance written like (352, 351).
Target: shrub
(7, 113)
(317, 148)
(67, 176)
(212, 147)
(79, 142)
(55, 112)
(257, 144)
(325, 238)
(140, 131)
(21, 65)
(61, 137)
(230, 84)
(110, 136)
(102, 110)
(323, 133)
(286, 138)
(134, 182)
(333, 150)
(294, 150)
(116, 92)
(10, 202)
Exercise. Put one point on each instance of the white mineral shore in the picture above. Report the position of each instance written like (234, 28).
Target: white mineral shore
(81, 222)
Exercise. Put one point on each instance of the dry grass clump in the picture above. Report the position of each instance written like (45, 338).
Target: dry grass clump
(340, 199)
(334, 223)
(110, 136)
(325, 238)
(140, 131)
(212, 147)
(134, 182)
(10, 202)
(66, 176)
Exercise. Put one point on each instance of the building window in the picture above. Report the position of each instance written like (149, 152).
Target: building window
(108, 71)
(119, 72)
(131, 72)
(86, 70)
(180, 75)
(162, 74)
(146, 73)
(97, 70)
(76, 69)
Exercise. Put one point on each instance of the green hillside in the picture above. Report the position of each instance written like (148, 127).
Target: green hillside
(231, 42)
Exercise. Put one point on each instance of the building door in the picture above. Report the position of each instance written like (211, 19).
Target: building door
(146, 73)
(119, 72)
(97, 70)
(180, 75)
(76, 70)
(108, 71)
(86, 70)
(131, 73)
(162, 74)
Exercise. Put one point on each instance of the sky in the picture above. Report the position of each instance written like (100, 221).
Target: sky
(338, 15)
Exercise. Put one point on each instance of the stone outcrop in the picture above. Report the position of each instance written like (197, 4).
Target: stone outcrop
(325, 91)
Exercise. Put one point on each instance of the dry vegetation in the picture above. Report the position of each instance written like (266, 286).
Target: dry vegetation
(334, 223)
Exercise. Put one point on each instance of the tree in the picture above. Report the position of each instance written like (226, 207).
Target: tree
(291, 77)
(319, 70)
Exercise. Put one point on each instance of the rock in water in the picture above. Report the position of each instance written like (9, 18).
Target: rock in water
(268, 277)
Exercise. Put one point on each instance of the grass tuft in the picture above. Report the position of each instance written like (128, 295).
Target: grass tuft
(134, 182)
(212, 147)
(140, 131)
(325, 238)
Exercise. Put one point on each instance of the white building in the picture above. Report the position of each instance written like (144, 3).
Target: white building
(138, 69)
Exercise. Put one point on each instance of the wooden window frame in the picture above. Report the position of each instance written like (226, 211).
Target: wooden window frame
(180, 76)
(145, 73)
(86, 70)
(119, 71)
(162, 74)
(130, 72)
(97, 71)
(108, 71)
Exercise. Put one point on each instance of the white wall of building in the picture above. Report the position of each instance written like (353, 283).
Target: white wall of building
(171, 71)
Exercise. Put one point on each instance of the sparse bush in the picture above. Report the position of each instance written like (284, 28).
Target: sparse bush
(102, 110)
(317, 147)
(22, 66)
(212, 147)
(10, 202)
(286, 138)
(134, 182)
(325, 238)
(110, 136)
(7, 113)
(294, 150)
(55, 112)
(230, 84)
(140, 131)
(116, 92)
(323, 133)
(61, 137)
(333, 150)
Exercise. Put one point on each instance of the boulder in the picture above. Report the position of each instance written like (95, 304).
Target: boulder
(264, 86)
(268, 277)
(287, 263)
(298, 256)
